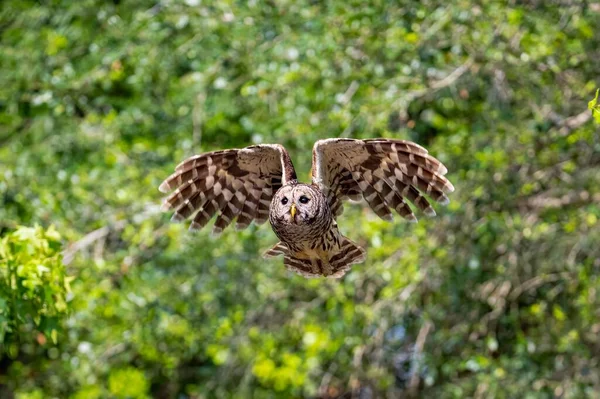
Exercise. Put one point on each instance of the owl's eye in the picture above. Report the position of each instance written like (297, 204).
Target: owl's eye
(284, 200)
(304, 199)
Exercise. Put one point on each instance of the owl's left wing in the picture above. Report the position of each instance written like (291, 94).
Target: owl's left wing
(235, 183)
(382, 171)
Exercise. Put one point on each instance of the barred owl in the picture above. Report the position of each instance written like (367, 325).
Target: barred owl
(259, 182)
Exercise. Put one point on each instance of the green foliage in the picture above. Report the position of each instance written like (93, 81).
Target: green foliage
(127, 383)
(498, 296)
(33, 285)
(594, 106)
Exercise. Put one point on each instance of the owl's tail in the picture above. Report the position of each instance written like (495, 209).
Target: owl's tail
(349, 254)
(276, 250)
(335, 267)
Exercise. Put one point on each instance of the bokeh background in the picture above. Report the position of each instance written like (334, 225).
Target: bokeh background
(498, 296)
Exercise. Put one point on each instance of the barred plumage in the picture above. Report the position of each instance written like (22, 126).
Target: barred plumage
(234, 183)
(259, 182)
(385, 171)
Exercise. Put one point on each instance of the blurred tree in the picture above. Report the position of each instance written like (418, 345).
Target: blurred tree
(499, 296)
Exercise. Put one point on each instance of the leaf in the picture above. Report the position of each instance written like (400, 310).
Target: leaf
(128, 382)
(35, 290)
(594, 106)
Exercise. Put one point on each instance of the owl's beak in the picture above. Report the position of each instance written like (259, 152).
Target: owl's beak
(293, 211)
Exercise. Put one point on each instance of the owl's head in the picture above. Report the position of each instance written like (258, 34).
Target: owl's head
(297, 205)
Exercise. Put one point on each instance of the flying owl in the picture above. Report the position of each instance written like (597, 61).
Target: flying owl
(259, 182)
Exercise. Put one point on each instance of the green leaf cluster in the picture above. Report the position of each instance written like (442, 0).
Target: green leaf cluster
(594, 106)
(33, 286)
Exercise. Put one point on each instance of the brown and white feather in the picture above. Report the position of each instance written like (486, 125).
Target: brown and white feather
(384, 171)
(237, 183)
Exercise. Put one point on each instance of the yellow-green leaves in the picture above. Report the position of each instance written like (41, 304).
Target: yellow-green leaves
(33, 283)
(289, 372)
(55, 43)
(128, 383)
(594, 106)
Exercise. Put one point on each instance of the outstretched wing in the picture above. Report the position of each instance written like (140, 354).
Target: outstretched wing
(233, 183)
(384, 172)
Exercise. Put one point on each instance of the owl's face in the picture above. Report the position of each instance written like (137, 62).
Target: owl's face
(296, 208)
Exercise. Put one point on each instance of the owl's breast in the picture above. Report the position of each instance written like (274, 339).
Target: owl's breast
(302, 236)
(309, 241)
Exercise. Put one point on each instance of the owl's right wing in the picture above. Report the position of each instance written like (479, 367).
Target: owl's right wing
(235, 183)
(382, 171)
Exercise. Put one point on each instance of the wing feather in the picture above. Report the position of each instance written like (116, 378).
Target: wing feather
(384, 171)
(236, 184)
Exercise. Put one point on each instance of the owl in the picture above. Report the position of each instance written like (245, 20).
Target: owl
(259, 182)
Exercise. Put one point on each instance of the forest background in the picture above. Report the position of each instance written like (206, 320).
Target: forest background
(101, 296)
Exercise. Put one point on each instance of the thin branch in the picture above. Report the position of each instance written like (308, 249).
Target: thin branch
(567, 125)
(197, 120)
(535, 283)
(452, 77)
(350, 92)
(326, 380)
(413, 384)
(350, 128)
(354, 382)
(150, 209)
(548, 200)
(89, 239)
(435, 86)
